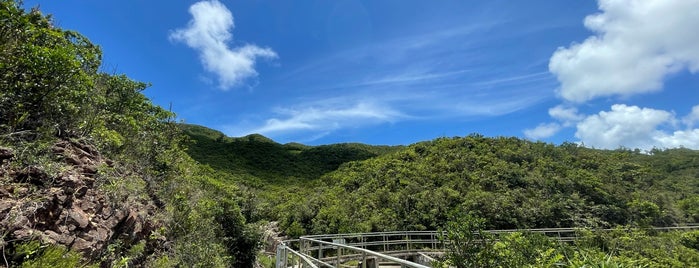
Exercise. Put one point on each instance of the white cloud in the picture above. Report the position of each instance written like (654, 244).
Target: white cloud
(208, 32)
(693, 117)
(542, 131)
(325, 118)
(634, 127)
(680, 138)
(636, 44)
(567, 115)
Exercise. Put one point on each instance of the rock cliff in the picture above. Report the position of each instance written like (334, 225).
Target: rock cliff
(68, 207)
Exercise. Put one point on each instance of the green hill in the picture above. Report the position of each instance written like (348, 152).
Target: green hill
(269, 161)
(499, 183)
(512, 183)
(94, 174)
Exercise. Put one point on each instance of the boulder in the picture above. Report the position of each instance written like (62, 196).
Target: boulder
(79, 216)
(6, 153)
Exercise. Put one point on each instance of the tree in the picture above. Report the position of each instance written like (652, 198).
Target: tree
(467, 243)
(45, 72)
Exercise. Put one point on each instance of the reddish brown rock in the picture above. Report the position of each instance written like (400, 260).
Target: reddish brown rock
(6, 191)
(23, 233)
(68, 209)
(6, 206)
(89, 170)
(82, 245)
(56, 237)
(79, 216)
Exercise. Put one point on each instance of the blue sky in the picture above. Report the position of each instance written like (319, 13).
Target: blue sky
(604, 73)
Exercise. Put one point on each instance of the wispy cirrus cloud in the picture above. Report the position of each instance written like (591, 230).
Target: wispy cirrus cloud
(448, 73)
(320, 118)
(209, 33)
(390, 101)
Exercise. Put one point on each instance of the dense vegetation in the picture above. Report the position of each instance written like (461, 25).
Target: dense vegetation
(274, 177)
(470, 246)
(52, 91)
(512, 183)
(502, 183)
(210, 190)
(272, 162)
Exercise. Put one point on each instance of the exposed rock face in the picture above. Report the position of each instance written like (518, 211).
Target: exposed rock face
(67, 209)
(272, 237)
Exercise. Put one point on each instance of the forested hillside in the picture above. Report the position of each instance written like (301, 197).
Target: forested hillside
(92, 173)
(273, 177)
(512, 183)
(466, 184)
(270, 161)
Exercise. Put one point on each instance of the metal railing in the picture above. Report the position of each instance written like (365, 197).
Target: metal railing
(368, 249)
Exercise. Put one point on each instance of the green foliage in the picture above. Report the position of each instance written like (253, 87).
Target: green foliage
(269, 161)
(46, 72)
(51, 88)
(266, 261)
(621, 247)
(511, 183)
(690, 206)
(640, 248)
(525, 249)
(467, 243)
(278, 181)
(35, 254)
(690, 240)
(207, 222)
(499, 183)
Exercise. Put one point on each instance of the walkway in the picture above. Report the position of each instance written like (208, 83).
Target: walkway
(413, 249)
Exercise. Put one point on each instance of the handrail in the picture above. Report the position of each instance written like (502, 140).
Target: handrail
(373, 253)
(301, 256)
(535, 230)
(409, 238)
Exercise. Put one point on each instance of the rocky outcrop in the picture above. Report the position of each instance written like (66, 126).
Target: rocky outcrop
(272, 237)
(68, 208)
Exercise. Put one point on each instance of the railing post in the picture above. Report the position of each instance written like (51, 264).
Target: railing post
(286, 257)
(281, 256)
(320, 251)
(384, 243)
(278, 256)
(406, 237)
(302, 246)
(363, 259)
(337, 258)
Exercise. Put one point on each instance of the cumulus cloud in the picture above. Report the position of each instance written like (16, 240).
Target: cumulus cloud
(209, 32)
(542, 131)
(693, 117)
(567, 115)
(326, 118)
(634, 127)
(636, 44)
